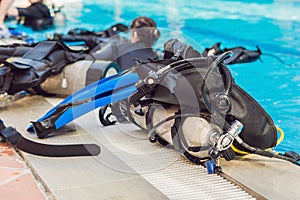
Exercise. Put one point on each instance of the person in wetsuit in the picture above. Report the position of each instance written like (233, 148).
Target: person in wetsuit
(143, 35)
(37, 15)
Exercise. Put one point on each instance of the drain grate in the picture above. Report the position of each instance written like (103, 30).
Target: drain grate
(165, 169)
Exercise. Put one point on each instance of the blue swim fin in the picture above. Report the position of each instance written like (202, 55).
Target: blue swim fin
(84, 93)
(95, 95)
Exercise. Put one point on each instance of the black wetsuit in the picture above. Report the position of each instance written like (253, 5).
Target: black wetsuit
(36, 11)
(124, 53)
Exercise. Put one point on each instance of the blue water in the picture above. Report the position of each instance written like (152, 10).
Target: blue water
(273, 25)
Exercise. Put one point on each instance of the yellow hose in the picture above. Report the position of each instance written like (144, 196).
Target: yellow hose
(281, 132)
(280, 139)
(239, 151)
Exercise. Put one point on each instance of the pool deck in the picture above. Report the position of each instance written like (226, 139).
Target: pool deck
(111, 176)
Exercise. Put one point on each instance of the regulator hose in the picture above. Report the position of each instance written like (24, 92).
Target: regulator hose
(177, 66)
(151, 132)
(187, 63)
(228, 79)
(269, 154)
(227, 76)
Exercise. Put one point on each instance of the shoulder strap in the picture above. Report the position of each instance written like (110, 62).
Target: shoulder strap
(44, 48)
(7, 76)
(41, 50)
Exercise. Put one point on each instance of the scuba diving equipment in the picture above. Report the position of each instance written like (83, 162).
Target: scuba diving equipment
(230, 103)
(97, 94)
(243, 118)
(16, 37)
(124, 52)
(14, 50)
(113, 30)
(41, 24)
(172, 83)
(76, 76)
(29, 71)
(59, 17)
(37, 16)
(174, 49)
(239, 54)
(20, 35)
(152, 86)
(90, 40)
(85, 35)
(193, 91)
(16, 139)
(6, 99)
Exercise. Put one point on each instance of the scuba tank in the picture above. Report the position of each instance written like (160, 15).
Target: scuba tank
(59, 18)
(193, 105)
(77, 75)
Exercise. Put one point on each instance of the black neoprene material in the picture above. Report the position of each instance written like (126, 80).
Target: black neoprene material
(38, 63)
(124, 53)
(18, 141)
(33, 12)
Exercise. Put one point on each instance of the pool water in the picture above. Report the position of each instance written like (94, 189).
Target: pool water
(273, 25)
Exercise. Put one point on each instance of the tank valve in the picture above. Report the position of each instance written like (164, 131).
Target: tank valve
(225, 140)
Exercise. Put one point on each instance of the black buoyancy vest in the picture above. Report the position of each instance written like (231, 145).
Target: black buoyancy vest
(239, 54)
(35, 66)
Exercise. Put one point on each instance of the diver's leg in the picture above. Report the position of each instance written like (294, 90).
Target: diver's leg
(4, 6)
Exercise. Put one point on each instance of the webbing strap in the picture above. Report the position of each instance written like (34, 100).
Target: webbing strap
(41, 50)
(18, 141)
(8, 77)
(7, 82)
